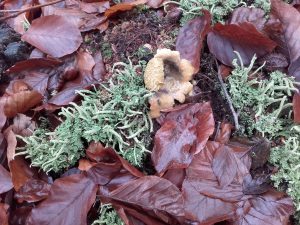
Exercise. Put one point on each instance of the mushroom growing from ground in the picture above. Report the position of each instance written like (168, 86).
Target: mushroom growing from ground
(169, 77)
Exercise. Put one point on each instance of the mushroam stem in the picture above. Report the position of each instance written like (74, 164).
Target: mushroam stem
(16, 12)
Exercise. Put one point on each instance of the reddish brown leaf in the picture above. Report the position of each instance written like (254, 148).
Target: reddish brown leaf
(243, 38)
(256, 186)
(85, 62)
(174, 145)
(253, 15)
(32, 191)
(94, 7)
(19, 215)
(151, 193)
(224, 133)
(190, 38)
(204, 209)
(290, 19)
(37, 80)
(5, 180)
(122, 7)
(85, 165)
(3, 214)
(21, 102)
(296, 107)
(20, 172)
(33, 64)
(11, 143)
(53, 35)
(271, 208)
(23, 125)
(68, 203)
(99, 71)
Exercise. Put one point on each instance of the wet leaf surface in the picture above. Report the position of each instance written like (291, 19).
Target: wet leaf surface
(5, 180)
(68, 196)
(243, 38)
(190, 39)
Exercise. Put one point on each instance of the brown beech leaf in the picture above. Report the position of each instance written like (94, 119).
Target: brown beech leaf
(32, 191)
(3, 214)
(122, 7)
(272, 207)
(85, 62)
(37, 81)
(223, 135)
(151, 193)
(21, 102)
(11, 143)
(244, 38)
(253, 15)
(204, 209)
(190, 39)
(5, 180)
(290, 19)
(19, 215)
(296, 107)
(53, 35)
(174, 145)
(20, 172)
(69, 201)
(155, 3)
(33, 64)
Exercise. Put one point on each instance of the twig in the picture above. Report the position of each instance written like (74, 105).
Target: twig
(234, 114)
(20, 11)
(217, 130)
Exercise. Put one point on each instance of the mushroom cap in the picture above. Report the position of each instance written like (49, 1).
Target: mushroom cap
(154, 74)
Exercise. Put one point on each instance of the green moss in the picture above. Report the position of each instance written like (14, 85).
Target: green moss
(116, 115)
(108, 216)
(264, 108)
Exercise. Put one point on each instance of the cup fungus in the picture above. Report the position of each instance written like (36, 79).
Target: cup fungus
(169, 77)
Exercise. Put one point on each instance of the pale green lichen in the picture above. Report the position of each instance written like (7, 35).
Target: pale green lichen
(264, 107)
(108, 216)
(116, 114)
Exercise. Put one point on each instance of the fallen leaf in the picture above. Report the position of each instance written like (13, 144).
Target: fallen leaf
(20, 172)
(21, 102)
(290, 19)
(243, 38)
(4, 214)
(19, 215)
(85, 165)
(256, 186)
(94, 7)
(151, 193)
(155, 3)
(270, 208)
(274, 61)
(37, 81)
(5, 181)
(69, 201)
(296, 107)
(33, 190)
(223, 135)
(53, 35)
(122, 7)
(11, 143)
(255, 16)
(174, 142)
(85, 62)
(190, 39)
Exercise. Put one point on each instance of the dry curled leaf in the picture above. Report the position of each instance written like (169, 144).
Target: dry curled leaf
(54, 35)
(244, 38)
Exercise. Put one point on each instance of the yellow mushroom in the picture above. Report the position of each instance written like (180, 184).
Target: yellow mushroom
(168, 76)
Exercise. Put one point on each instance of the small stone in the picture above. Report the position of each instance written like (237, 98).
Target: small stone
(16, 51)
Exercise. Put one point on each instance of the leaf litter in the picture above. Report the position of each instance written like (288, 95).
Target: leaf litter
(197, 171)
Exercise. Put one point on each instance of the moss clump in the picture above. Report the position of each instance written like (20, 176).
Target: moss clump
(108, 216)
(115, 115)
(264, 108)
(260, 103)
(106, 50)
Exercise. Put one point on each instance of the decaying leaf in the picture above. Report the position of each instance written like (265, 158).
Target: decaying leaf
(296, 107)
(3, 214)
(68, 203)
(53, 35)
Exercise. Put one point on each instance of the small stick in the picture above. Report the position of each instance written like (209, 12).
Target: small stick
(20, 11)
(217, 130)
(234, 114)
